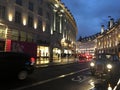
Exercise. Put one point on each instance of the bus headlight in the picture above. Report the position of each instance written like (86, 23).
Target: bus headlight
(92, 64)
(109, 66)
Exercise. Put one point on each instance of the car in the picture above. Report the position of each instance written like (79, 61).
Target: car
(105, 63)
(84, 57)
(16, 64)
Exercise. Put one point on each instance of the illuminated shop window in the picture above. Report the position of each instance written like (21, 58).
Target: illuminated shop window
(2, 32)
(14, 34)
(42, 51)
(22, 36)
(29, 37)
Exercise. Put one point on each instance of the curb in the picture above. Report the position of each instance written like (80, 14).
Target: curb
(53, 64)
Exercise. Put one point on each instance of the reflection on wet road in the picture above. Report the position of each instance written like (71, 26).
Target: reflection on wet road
(73, 77)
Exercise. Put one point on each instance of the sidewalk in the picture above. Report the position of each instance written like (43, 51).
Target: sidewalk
(63, 62)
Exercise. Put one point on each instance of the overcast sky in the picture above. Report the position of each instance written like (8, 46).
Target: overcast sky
(91, 14)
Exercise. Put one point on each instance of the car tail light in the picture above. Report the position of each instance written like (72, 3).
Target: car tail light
(87, 56)
(32, 60)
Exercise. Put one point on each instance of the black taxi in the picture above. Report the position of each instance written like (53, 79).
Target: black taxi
(105, 63)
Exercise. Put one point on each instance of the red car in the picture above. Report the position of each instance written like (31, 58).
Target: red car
(84, 57)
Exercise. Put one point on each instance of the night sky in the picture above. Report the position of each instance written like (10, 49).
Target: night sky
(91, 14)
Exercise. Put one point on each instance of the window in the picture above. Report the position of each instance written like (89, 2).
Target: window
(29, 37)
(48, 15)
(40, 11)
(116, 58)
(40, 1)
(22, 36)
(47, 27)
(50, 6)
(17, 17)
(2, 32)
(2, 11)
(14, 34)
(108, 57)
(30, 6)
(30, 21)
(19, 2)
(40, 24)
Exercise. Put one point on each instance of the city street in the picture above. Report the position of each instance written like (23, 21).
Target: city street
(74, 76)
(73, 44)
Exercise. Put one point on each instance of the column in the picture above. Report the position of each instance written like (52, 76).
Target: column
(54, 21)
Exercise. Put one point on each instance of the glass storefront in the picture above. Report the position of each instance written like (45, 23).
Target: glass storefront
(42, 54)
(3, 35)
(56, 55)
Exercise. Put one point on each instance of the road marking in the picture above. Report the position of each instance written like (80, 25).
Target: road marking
(51, 79)
(80, 79)
(118, 83)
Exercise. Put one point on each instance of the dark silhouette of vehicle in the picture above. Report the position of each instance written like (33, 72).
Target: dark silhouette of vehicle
(105, 63)
(16, 64)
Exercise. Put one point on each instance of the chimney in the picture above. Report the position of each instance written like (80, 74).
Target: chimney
(111, 22)
(102, 28)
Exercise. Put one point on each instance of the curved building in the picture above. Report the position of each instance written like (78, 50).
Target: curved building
(43, 28)
(109, 40)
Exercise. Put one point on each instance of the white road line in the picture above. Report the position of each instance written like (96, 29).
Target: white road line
(51, 79)
(118, 83)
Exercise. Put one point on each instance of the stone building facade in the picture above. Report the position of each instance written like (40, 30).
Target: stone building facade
(109, 40)
(42, 28)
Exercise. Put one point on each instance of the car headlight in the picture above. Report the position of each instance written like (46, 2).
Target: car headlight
(109, 66)
(92, 64)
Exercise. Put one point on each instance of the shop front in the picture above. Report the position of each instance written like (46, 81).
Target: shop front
(14, 40)
(42, 54)
(56, 55)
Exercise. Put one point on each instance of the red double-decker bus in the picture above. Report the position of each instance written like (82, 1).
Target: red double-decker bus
(21, 46)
